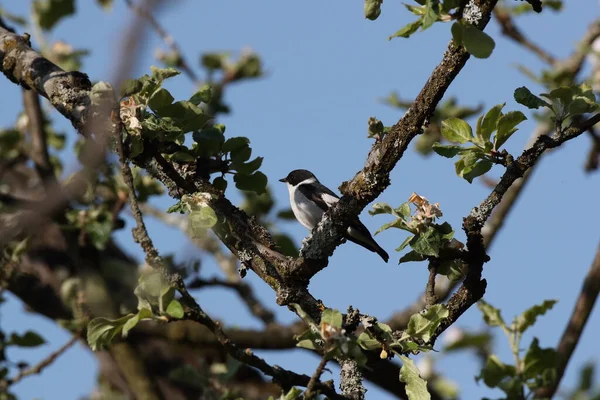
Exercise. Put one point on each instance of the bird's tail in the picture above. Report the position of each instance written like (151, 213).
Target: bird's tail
(382, 253)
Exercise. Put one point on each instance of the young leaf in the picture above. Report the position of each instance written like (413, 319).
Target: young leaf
(423, 324)
(381, 208)
(456, 130)
(447, 151)
(491, 315)
(528, 317)
(175, 309)
(160, 99)
(203, 95)
(416, 387)
(372, 9)
(161, 74)
(490, 122)
(249, 167)
(473, 171)
(367, 342)
(524, 96)
(49, 12)
(235, 143)
(432, 11)
(411, 256)
(132, 322)
(100, 331)
(428, 243)
(403, 211)
(407, 30)
(28, 339)
(494, 371)
(178, 207)
(507, 126)
(537, 360)
(477, 42)
(202, 218)
(457, 33)
(405, 243)
(332, 317)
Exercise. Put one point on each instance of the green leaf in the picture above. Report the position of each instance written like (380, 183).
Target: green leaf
(582, 105)
(235, 143)
(507, 126)
(131, 87)
(456, 130)
(457, 33)
(201, 219)
(191, 116)
(209, 141)
(372, 9)
(179, 207)
(256, 182)
(381, 208)
(473, 171)
(182, 156)
(367, 342)
(525, 97)
(203, 95)
(47, 13)
(423, 324)
(175, 309)
(477, 341)
(398, 223)
(160, 74)
(137, 146)
(241, 155)
(28, 339)
(144, 313)
(411, 256)
(537, 360)
(448, 151)
(477, 42)
(529, 316)
(101, 331)
(220, 183)
(403, 211)
(491, 315)
(451, 269)
(416, 387)
(432, 12)
(489, 124)
(428, 243)
(306, 344)
(160, 99)
(405, 243)
(332, 317)
(494, 371)
(407, 30)
(106, 4)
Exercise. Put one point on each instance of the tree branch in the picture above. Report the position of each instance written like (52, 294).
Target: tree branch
(372, 180)
(574, 329)
(38, 368)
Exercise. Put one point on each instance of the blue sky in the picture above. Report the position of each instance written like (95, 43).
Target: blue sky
(327, 67)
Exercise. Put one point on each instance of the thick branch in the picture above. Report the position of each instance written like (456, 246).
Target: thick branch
(372, 180)
(574, 329)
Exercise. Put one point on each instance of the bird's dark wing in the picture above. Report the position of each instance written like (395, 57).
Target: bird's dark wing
(321, 195)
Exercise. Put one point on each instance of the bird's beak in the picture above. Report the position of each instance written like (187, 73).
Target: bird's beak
(282, 180)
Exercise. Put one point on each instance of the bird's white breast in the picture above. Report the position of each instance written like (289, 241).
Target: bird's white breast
(305, 210)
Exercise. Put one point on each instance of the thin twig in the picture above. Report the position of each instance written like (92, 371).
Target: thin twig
(593, 157)
(39, 146)
(473, 286)
(572, 334)
(167, 38)
(244, 291)
(308, 394)
(38, 368)
(510, 30)
(430, 297)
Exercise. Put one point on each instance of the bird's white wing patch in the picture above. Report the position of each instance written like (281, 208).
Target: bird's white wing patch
(329, 199)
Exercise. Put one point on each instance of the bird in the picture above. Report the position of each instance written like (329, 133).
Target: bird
(309, 199)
